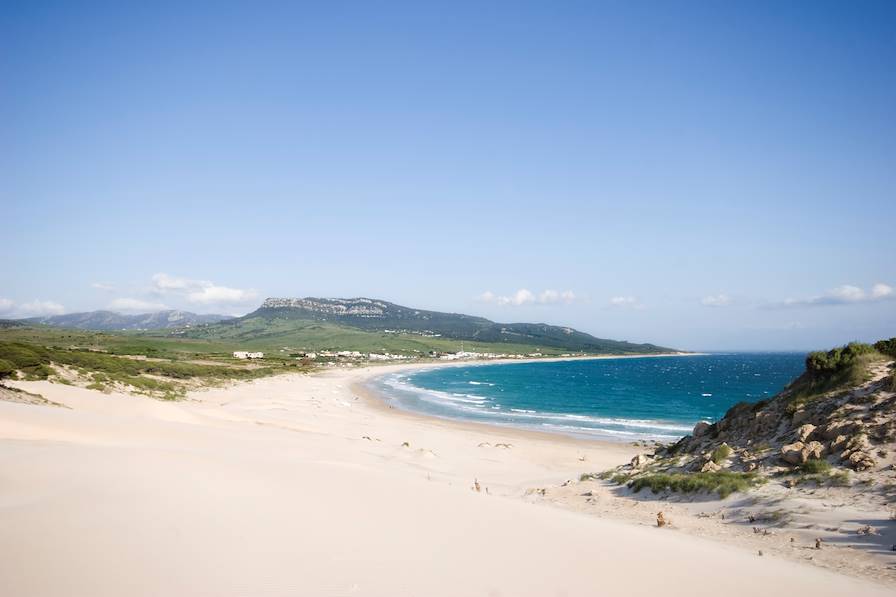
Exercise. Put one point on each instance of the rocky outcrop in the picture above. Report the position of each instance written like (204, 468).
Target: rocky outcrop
(821, 431)
(799, 453)
(640, 460)
(848, 427)
(804, 432)
(701, 428)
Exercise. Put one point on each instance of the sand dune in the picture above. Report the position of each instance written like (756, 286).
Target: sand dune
(299, 486)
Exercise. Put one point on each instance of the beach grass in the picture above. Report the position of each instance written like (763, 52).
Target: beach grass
(723, 482)
(815, 466)
(721, 453)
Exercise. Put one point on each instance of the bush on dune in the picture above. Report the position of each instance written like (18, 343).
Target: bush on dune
(815, 467)
(839, 358)
(7, 369)
(887, 347)
(837, 369)
(723, 482)
(721, 453)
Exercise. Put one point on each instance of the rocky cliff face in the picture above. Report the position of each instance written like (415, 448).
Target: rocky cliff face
(363, 307)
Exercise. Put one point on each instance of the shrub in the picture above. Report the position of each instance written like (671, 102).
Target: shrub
(839, 479)
(723, 482)
(105, 369)
(721, 453)
(837, 358)
(7, 369)
(837, 369)
(620, 478)
(887, 347)
(815, 467)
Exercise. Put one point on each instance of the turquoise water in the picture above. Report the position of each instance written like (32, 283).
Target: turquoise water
(622, 399)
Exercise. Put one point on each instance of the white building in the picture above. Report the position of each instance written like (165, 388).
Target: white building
(242, 354)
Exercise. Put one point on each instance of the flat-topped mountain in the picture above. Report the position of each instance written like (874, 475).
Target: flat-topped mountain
(378, 315)
(110, 320)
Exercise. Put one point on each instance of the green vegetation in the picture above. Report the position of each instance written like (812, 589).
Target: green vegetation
(837, 369)
(721, 453)
(372, 315)
(837, 359)
(6, 368)
(621, 478)
(157, 377)
(887, 347)
(273, 334)
(815, 467)
(723, 482)
(839, 478)
(821, 472)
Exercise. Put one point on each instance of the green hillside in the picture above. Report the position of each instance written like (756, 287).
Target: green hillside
(289, 334)
(363, 325)
(373, 325)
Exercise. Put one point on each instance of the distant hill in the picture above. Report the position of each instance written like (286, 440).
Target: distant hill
(111, 321)
(375, 315)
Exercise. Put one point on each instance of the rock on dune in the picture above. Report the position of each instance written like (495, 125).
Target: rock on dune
(804, 432)
(700, 428)
(798, 452)
(861, 461)
(640, 460)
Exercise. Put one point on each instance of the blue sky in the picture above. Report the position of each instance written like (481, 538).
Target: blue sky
(701, 175)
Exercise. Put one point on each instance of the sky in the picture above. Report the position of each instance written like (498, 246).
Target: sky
(703, 175)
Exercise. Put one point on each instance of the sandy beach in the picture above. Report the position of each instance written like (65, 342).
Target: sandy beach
(305, 485)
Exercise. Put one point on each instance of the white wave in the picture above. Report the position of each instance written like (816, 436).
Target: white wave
(482, 408)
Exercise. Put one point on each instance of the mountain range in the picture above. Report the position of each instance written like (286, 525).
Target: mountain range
(111, 321)
(382, 316)
(351, 323)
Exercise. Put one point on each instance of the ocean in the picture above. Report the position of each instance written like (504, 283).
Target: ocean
(624, 399)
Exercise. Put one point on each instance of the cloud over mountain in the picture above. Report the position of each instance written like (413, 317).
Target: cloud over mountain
(523, 296)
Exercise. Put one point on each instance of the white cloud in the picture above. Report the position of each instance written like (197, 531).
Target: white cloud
(134, 305)
(39, 308)
(879, 291)
(625, 301)
(103, 286)
(524, 296)
(219, 295)
(163, 283)
(202, 292)
(520, 297)
(716, 300)
(6, 305)
(846, 294)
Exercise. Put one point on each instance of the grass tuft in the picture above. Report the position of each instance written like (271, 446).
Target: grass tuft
(723, 482)
(721, 453)
(815, 467)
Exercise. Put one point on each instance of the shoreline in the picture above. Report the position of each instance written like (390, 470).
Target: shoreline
(378, 399)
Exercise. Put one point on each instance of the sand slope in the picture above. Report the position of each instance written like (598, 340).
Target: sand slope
(269, 488)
